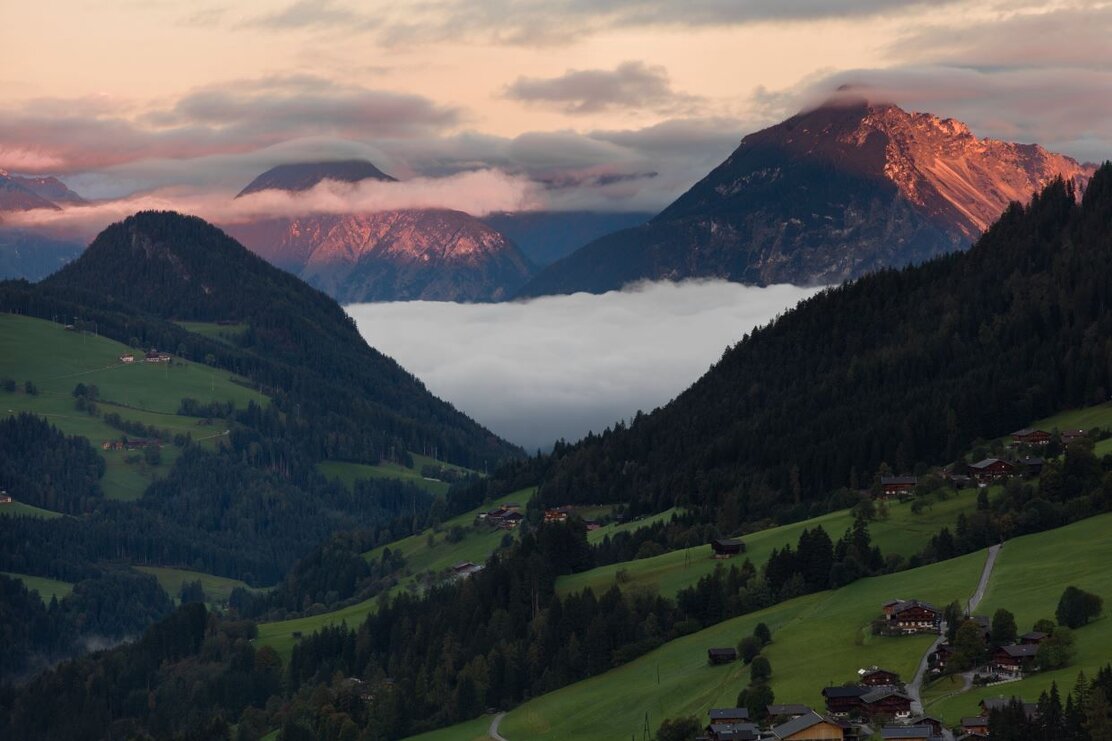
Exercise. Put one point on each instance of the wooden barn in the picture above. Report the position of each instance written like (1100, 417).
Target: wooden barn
(721, 655)
(725, 547)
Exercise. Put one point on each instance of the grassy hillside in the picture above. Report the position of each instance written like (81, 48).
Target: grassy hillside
(428, 551)
(904, 533)
(19, 509)
(225, 333)
(55, 360)
(46, 588)
(817, 639)
(1029, 577)
(217, 588)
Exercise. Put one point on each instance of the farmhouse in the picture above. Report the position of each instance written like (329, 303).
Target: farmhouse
(139, 443)
(876, 677)
(1068, 436)
(886, 702)
(895, 486)
(991, 469)
(844, 700)
(510, 520)
(127, 358)
(1032, 465)
(733, 732)
(940, 656)
(560, 514)
(729, 715)
(154, 356)
(912, 616)
(1034, 637)
(1014, 659)
(5, 497)
(725, 547)
(465, 569)
(810, 727)
(721, 655)
(976, 726)
(910, 733)
(1028, 436)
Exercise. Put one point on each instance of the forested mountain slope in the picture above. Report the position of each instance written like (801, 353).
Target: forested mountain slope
(897, 367)
(155, 267)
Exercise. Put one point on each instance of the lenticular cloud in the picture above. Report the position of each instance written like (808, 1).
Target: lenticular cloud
(560, 366)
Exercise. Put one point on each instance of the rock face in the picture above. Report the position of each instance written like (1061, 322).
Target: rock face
(429, 254)
(828, 195)
(16, 196)
(400, 255)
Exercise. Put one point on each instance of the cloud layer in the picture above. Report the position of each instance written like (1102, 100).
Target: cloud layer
(558, 367)
(631, 84)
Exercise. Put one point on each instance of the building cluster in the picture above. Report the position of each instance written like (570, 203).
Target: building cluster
(506, 516)
(793, 722)
(1008, 662)
(131, 443)
(975, 728)
(561, 514)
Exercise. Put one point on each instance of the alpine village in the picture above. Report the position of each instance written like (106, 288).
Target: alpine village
(519, 371)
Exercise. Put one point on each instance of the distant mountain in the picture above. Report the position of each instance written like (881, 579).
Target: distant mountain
(399, 255)
(304, 175)
(32, 256)
(16, 196)
(547, 236)
(830, 194)
(50, 188)
(175, 267)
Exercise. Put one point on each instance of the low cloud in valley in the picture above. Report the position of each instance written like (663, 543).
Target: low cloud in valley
(560, 366)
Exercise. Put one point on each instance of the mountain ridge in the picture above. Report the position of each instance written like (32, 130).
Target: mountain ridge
(827, 195)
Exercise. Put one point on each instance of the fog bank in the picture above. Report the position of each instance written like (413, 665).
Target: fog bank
(560, 366)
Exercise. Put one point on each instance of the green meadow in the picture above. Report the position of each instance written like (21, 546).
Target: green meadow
(19, 509)
(1029, 577)
(429, 551)
(217, 588)
(903, 533)
(46, 588)
(225, 333)
(818, 639)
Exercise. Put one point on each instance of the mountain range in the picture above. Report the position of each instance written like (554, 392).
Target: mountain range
(396, 255)
(828, 195)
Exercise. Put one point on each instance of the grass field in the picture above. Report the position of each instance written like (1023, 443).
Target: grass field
(19, 509)
(217, 588)
(597, 536)
(817, 640)
(1029, 577)
(421, 557)
(225, 333)
(349, 473)
(46, 588)
(56, 360)
(1079, 419)
(904, 533)
(472, 730)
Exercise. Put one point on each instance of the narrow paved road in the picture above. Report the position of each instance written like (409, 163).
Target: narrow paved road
(916, 684)
(494, 723)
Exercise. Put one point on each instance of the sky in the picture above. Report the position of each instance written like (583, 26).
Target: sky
(562, 366)
(558, 104)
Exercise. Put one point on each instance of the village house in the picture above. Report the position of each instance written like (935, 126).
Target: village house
(874, 676)
(721, 655)
(1014, 659)
(984, 624)
(811, 727)
(908, 617)
(154, 356)
(897, 486)
(510, 520)
(733, 732)
(1069, 436)
(127, 358)
(886, 702)
(1032, 466)
(725, 547)
(1034, 637)
(921, 732)
(990, 470)
(5, 497)
(941, 655)
(729, 715)
(975, 726)
(465, 569)
(1028, 436)
(559, 514)
(844, 700)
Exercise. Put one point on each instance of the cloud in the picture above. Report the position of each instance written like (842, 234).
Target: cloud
(478, 193)
(557, 367)
(231, 118)
(629, 85)
(562, 21)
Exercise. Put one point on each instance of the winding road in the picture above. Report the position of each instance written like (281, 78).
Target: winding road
(916, 684)
(494, 723)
